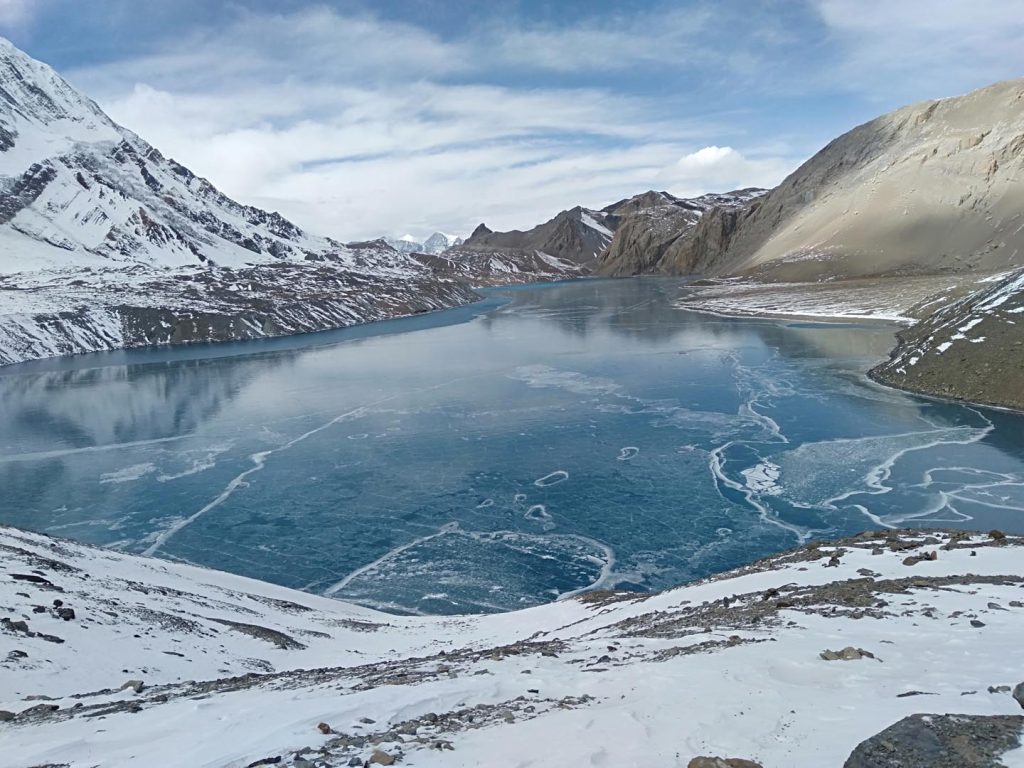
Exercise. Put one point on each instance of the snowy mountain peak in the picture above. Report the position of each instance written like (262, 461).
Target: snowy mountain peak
(440, 242)
(40, 113)
(435, 244)
(81, 191)
(33, 90)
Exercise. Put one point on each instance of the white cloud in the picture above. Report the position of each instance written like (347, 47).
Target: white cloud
(623, 42)
(357, 127)
(14, 13)
(916, 49)
(714, 168)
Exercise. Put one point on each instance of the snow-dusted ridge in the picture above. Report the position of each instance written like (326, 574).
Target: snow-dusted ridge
(971, 349)
(105, 243)
(163, 664)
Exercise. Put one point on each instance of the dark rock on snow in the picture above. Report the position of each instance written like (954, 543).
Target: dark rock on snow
(940, 741)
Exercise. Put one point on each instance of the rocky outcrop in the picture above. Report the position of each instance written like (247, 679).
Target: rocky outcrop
(577, 236)
(941, 741)
(656, 231)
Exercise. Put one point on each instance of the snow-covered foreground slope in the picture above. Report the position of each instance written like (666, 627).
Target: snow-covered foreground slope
(105, 243)
(163, 664)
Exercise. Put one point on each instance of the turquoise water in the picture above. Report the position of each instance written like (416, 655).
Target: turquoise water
(543, 441)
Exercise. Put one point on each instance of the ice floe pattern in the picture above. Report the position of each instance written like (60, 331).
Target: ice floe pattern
(575, 437)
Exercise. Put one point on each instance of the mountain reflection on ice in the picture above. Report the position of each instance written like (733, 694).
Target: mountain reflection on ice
(545, 441)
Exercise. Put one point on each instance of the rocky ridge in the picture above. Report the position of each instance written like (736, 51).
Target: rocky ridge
(930, 188)
(572, 240)
(655, 229)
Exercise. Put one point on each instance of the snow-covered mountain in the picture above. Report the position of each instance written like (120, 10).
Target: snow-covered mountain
(793, 662)
(79, 190)
(106, 243)
(440, 242)
(435, 244)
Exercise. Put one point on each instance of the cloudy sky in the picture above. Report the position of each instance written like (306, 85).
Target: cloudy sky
(358, 118)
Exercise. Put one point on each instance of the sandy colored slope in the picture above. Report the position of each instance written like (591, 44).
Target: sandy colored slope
(932, 187)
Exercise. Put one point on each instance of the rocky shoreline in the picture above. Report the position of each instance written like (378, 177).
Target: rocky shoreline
(960, 341)
(125, 309)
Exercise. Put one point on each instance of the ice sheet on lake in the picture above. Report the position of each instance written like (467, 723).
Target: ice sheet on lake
(478, 572)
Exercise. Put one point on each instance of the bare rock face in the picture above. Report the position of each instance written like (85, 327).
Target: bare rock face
(578, 236)
(940, 741)
(656, 230)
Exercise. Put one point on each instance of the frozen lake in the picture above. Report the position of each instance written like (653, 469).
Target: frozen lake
(544, 441)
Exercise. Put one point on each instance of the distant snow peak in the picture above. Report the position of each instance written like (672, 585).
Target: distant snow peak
(440, 241)
(435, 244)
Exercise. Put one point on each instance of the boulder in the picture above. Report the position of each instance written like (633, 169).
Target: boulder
(849, 653)
(940, 741)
